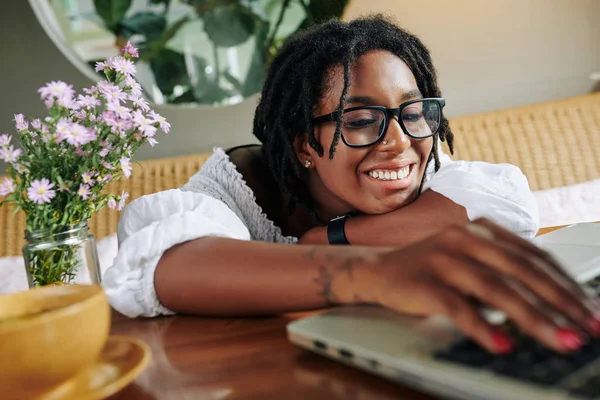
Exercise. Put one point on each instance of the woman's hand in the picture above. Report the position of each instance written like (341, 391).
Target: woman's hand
(317, 235)
(454, 271)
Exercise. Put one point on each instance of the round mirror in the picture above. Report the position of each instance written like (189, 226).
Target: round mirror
(192, 52)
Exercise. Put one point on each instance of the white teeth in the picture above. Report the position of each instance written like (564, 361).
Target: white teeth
(387, 175)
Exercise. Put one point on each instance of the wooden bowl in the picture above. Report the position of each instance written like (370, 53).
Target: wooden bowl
(48, 335)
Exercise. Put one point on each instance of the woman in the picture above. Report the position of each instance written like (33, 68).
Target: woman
(221, 245)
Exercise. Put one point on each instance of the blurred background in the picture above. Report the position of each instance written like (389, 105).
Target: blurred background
(489, 55)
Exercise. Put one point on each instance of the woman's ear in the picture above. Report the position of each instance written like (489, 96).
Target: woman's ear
(303, 150)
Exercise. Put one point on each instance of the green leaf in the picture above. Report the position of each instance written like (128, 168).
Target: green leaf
(322, 10)
(256, 71)
(169, 70)
(186, 97)
(145, 23)
(233, 80)
(112, 11)
(207, 89)
(229, 25)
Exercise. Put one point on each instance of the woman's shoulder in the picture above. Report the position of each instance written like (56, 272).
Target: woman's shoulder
(240, 178)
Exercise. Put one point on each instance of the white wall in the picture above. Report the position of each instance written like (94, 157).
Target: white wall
(489, 54)
(493, 54)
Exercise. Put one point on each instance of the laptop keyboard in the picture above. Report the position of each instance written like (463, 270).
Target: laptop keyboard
(576, 373)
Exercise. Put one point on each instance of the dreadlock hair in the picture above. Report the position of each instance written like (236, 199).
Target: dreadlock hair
(297, 81)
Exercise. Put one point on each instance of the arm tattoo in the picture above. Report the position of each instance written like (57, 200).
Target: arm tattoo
(324, 283)
(327, 274)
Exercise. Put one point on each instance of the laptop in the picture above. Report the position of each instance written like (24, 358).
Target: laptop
(431, 355)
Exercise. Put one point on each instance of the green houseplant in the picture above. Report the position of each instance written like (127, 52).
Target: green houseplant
(188, 45)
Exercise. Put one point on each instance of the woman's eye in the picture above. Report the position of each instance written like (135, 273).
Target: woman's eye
(360, 123)
(411, 117)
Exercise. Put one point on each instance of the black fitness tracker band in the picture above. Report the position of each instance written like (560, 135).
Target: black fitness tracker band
(335, 230)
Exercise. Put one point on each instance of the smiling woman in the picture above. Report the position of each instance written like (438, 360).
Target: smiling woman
(233, 240)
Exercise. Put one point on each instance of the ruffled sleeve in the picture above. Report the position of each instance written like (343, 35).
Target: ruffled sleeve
(499, 192)
(148, 227)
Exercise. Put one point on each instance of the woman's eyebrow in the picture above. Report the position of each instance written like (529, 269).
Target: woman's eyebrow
(368, 100)
(360, 100)
(412, 95)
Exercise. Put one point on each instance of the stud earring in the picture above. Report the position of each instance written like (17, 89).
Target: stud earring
(307, 163)
(384, 141)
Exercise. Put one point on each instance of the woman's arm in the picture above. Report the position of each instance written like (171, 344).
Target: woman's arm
(460, 191)
(440, 275)
(429, 214)
(226, 277)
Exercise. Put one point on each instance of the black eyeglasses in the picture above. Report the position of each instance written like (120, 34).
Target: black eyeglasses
(367, 125)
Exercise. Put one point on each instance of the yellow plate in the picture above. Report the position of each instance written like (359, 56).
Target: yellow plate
(120, 362)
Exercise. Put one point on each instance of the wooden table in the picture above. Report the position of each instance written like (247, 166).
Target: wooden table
(249, 358)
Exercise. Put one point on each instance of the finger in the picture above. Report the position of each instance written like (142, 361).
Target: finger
(509, 260)
(505, 235)
(506, 295)
(452, 304)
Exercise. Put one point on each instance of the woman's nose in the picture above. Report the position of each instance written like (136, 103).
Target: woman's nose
(395, 138)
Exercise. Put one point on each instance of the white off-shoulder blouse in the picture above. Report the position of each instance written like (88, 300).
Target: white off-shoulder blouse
(217, 202)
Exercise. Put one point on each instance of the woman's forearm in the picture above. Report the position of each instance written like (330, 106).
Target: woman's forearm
(428, 214)
(227, 277)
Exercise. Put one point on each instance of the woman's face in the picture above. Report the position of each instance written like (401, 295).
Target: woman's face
(346, 183)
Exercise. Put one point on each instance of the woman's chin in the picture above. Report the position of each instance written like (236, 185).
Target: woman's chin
(383, 206)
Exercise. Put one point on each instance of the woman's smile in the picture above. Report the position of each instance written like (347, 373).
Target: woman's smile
(392, 178)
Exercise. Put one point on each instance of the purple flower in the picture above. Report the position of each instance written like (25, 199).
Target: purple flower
(152, 142)
(106, 178)
(108, 117)
(68, 102)
(64, 187)
(92, 91)
(78, 135)
(134, 87)
(84, 192)
(88, 102)
(41, 191)
(5, 140)
(112, 203)
(56, 90)
(9, 154)
(119, 110)
(21, 168)
(112, 93)
(81, 115)
(130, 51)
(139, 102)
(36, 124)
(7, 187)
(101, 65)
(20, 122)
(88, 178)
(63, 127)
(125, 166)
(103, 153)
(162, 121)
(144, 124)
(108, 166)
(122, 200)
(123, 66)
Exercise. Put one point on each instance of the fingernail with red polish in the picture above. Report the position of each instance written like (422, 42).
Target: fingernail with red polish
(502, 343)
(569, 338)
(595, 325)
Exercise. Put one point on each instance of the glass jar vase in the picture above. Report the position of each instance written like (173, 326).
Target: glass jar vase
(64, 255)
